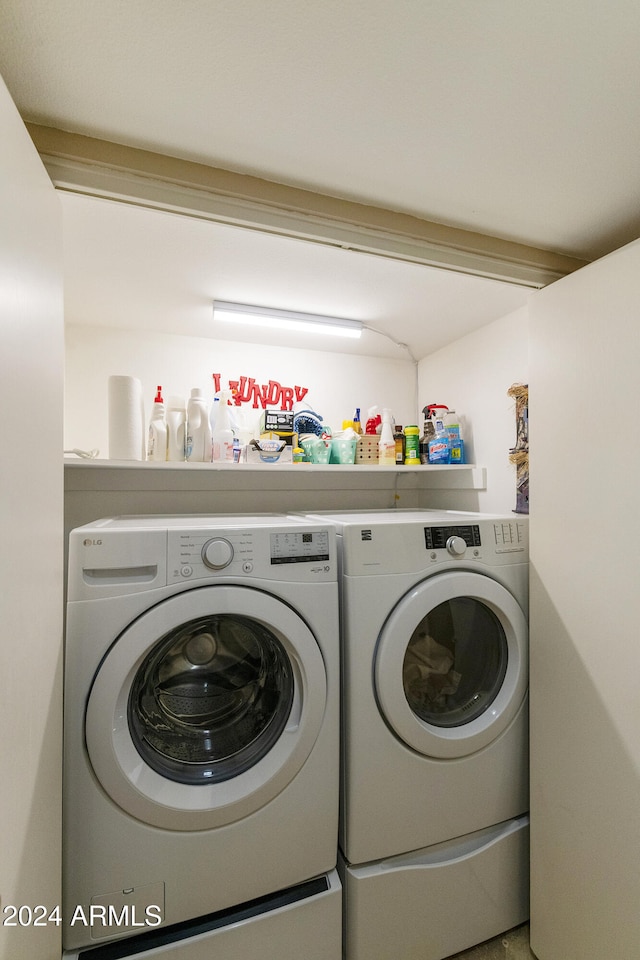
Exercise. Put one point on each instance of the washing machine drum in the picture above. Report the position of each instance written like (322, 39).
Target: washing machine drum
(206, 707)
(452, 664)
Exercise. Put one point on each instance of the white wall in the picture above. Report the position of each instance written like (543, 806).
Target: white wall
(31, 337)
(472, 377)
(337, 383)
(585, 611)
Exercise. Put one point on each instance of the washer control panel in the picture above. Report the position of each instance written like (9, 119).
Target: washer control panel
(305, 555)
(300, 547)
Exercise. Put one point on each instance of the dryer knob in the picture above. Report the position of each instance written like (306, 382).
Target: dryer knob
(217, 553)
(456, 546)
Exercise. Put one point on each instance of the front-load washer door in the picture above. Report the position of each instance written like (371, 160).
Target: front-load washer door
(451, 666)
(206, 707)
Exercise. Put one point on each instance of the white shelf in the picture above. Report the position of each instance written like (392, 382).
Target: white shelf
(139, 475)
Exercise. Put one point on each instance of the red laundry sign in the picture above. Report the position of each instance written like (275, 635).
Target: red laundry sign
(271, 394)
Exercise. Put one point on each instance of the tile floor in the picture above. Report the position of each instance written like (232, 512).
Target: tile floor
(513, 945)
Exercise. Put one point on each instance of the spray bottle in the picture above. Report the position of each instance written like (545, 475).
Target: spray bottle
(439, 447)
(373, 424)
(157, 443)
(428, 433)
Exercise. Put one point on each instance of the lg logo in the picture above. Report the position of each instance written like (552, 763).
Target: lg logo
(92, 543)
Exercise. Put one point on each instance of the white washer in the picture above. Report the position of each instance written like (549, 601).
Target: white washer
(435, 730)
(201, 720)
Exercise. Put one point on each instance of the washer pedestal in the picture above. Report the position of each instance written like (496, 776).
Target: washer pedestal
(304, 921)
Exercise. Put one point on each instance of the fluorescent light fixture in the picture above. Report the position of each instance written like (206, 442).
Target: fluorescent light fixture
(285, 319)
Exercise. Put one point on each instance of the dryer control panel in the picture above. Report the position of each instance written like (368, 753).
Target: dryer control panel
(438, 537)
(412, 543)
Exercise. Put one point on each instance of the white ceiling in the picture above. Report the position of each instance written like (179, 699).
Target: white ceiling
(513, 118)
(139, 268)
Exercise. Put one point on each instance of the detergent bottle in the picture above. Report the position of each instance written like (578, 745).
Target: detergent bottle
(157, 442)
(222, 436)
(176, 428)
(456, 443)
(387, 443)
(198, 442)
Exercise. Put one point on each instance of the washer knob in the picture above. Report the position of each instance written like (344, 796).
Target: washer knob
(217, 553)
(456, 546)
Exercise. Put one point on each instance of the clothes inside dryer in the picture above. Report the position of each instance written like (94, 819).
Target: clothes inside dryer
(211, 699)
(455, 662)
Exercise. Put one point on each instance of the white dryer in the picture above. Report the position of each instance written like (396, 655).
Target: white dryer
(201, 722)
(434, 801)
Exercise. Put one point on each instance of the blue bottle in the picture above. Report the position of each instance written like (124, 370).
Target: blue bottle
(439, 449)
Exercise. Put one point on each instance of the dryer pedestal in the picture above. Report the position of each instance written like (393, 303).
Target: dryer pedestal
(435, 902)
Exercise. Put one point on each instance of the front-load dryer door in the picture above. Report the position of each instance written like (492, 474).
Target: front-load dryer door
(206, 707)
(451, 667)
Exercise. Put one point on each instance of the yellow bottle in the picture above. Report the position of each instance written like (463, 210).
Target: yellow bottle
(412, 446)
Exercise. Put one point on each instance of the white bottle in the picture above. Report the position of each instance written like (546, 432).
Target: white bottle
(157, 442)
(176, 428)
(387, 443)
(222, 437)
(198, 442)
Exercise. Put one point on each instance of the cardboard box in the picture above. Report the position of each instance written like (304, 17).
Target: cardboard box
(271, 450)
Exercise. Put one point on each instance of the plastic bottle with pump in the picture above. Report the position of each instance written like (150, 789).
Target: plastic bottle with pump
(386, 444)
(222, 436)
(198, 442)
(157, 442)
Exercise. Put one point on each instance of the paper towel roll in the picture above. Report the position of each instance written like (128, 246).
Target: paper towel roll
(126, 419)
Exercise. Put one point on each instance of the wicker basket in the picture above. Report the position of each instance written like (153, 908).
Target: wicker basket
(367, 448)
